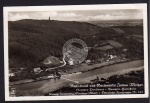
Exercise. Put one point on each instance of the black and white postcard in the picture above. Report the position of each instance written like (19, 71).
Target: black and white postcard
(75, 52)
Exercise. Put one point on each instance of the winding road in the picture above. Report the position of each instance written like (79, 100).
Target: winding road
(58, 66)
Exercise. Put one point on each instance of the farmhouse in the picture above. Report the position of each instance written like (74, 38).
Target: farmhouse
(88, 61)
(71, 61)
(37, 70)
(11, 74)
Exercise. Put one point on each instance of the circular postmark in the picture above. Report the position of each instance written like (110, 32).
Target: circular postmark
(75, 51)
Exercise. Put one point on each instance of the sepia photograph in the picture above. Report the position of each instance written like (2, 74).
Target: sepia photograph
(76, 52)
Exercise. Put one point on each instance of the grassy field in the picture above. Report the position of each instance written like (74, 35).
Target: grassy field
(106, 47)
(114, 43)
(119, 31)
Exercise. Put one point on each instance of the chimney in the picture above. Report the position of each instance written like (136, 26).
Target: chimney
(49, 18)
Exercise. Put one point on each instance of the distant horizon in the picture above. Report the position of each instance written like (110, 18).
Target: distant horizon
(85, 21)
(78, 15)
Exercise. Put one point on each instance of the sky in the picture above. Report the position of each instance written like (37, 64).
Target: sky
(80, 15)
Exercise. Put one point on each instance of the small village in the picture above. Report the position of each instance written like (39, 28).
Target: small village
(40, 73)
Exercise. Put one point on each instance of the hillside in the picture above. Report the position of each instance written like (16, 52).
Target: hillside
(31, 41)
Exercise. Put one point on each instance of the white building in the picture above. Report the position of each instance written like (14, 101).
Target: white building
(71, 61)
(11, 74)
(37, 70)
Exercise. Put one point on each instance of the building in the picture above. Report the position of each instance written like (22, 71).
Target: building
(71, 61)
(112, 56)
(37, 70)
(11, 74)
(22, 68)
(88, 61)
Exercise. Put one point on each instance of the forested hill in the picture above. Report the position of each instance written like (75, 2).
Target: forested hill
(31, 41)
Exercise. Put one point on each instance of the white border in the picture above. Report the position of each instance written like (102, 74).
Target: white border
(142, 6)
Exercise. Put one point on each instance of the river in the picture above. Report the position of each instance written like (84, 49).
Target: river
(51, 84)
